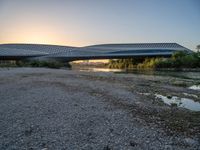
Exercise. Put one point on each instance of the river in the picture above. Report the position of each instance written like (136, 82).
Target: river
(195, 75)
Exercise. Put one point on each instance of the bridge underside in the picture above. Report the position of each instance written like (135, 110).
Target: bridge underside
(106, 51)
(74, 58)
(106, 57)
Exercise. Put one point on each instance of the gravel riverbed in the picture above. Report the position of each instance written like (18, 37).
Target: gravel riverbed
(54, 109)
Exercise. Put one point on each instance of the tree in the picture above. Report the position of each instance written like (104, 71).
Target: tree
(179, 54)
(198, 47)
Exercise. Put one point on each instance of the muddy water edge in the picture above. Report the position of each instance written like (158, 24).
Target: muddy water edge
(175, 116)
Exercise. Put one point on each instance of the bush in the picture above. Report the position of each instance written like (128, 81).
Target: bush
(124, 63)
(149, 63)
(178, 60)
(49, 64)
(178, 55)
(36, 63)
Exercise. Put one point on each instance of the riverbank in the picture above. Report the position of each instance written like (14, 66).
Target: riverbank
(178, 61)
(67, 109)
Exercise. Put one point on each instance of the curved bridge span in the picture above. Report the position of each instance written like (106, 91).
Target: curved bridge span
(103, 51)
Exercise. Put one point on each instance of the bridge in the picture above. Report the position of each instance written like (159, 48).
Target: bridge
(103, 51)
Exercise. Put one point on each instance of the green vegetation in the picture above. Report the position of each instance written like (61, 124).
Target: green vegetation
(177, 61)
(181, 60)
(124, 63)
(36, 63)
(150, 63)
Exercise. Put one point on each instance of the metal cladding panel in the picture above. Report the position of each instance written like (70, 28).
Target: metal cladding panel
(139, 45)
(49, 49)
(19, 52)
(95, 51)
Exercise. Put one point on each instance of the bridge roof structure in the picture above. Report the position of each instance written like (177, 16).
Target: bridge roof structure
(103, 51)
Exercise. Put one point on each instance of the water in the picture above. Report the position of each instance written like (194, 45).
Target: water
(180, 102)
(100, 70)
(179, 74)
(191, 95)
(195, 87)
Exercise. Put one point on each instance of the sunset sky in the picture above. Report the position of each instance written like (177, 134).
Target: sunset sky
(86, 22)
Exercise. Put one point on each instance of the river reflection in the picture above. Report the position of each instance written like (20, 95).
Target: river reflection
(180, 102)
(195, 87)
(101, 70)
(179, 74)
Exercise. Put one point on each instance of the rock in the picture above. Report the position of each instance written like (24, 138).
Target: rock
(169, 96)
(107, 148)
(190, 142)
(179, 83)
(168, 147)
(111, 130)
(133, 143)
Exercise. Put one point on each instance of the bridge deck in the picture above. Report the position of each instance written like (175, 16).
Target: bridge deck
(104, 51)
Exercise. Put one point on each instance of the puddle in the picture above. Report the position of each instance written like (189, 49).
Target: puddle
(101, 70)
(147, 94)
(181, 102)
(105, 70)
(195, 87)
(191, 95)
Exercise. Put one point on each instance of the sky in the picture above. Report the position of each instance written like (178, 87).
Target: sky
(90, 22)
